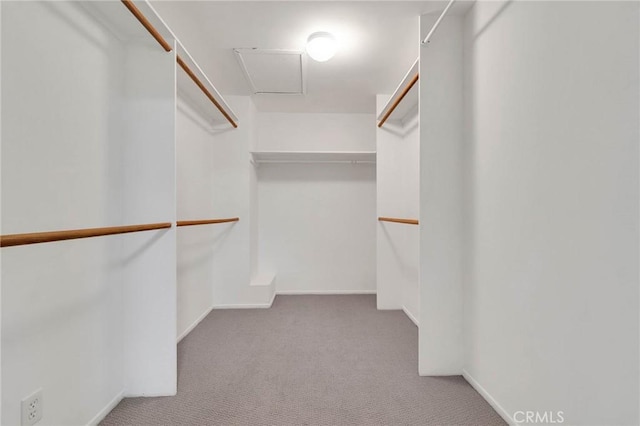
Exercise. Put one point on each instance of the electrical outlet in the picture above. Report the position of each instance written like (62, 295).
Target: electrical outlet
(31, 409)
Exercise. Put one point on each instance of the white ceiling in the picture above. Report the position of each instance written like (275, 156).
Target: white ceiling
(379, 41)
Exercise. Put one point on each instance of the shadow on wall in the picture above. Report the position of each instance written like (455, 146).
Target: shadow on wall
(493, 19)
(207, 246)
(198, 119)
(402, 128)
(84, 298)
(150, 242)
(71, 21)
(394, 247)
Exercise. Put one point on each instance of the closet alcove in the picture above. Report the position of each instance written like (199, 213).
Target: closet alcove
(232, 205)
(89, 202)
(196, 207)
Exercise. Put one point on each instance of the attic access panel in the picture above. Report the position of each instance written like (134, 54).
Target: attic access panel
(271, 71)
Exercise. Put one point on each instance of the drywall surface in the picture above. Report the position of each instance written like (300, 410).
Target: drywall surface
(317, 226)
(411, 184)
(62, 325)
(317, 221)
(398, 190)
(149, 196)
(551, 288)
(230, 191)
(233, 196)
(196, 200)
(218, 262)
(315, 132)
(441, 333)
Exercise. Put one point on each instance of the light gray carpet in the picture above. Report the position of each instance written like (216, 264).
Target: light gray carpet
(309, 360)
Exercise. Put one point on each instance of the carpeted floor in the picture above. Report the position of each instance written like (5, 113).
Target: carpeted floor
(309, 360)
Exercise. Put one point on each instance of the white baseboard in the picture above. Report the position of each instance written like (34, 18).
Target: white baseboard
(107, 409)
(388, 308)
(150, 394)
(411, 317)
(290, 293)
(192, 326)
(482, 391)
(273, 297)
(245, 306)
(322, 292)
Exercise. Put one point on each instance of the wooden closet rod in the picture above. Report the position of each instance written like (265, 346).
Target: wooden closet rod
(400, 98)
(398, 220)
(145, 23)
(205, 91)
(206, 221)
(46, 237)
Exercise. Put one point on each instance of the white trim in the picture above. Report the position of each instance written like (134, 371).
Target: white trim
(192, 326)
(290, 293)
(195, 68)
(491, 400)
(323, 292)
(396, 94)
(427, 39)
(150, 394)
(107, 409)
(247, 305)
(411, 317)
(353, 157)
(244, 306)
(273, 296)
(253, 51)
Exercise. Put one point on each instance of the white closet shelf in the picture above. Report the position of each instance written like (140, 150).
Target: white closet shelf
(409, 102)
(189, 90)
(115, 16)
(259, 157)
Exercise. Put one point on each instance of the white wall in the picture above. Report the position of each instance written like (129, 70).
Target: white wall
(217, 263)
(62, 329)
(234, 196)
(87, 141)
(441, 334)
(196, 200)
(315, 132)
(233, 192)
(317, 221)
(317, 226)
(411, 185)
(149, 196)
(398, 191)
(551, 292)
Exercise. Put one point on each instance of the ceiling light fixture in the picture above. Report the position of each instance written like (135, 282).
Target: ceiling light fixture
(321, 46)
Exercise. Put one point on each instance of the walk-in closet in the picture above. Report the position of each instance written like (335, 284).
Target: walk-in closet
(319, 212)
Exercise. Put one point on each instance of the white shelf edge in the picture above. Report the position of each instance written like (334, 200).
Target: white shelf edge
(188, 59)
(156, 20)
(396, 94)
(266, 157)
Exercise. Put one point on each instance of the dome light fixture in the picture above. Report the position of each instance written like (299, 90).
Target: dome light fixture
(321, 46)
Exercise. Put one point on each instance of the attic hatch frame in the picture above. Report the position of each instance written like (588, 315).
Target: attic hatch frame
(254, 50)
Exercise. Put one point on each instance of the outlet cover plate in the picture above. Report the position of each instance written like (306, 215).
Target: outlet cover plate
(31, 407)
